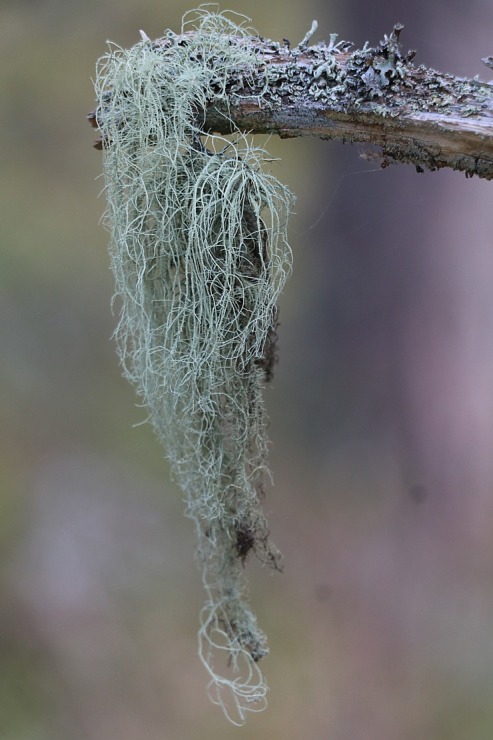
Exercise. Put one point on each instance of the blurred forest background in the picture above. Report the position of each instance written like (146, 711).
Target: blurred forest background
(381, 627)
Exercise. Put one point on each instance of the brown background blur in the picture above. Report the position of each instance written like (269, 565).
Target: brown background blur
(381, 627)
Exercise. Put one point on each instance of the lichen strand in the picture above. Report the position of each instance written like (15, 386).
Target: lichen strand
(200, 255)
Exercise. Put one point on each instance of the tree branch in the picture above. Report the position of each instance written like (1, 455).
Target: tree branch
(372, 95)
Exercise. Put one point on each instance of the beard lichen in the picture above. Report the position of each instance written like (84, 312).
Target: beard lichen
(200, 255)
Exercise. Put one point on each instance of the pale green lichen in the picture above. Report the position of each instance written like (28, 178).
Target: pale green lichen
(200, 255)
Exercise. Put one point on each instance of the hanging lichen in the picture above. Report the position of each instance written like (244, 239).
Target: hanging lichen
(200, 255)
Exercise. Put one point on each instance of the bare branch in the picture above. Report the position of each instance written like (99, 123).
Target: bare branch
(373, 95)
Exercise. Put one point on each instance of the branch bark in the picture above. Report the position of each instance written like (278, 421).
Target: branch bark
(373, 95)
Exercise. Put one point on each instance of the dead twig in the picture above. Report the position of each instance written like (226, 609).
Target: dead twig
(374, 95)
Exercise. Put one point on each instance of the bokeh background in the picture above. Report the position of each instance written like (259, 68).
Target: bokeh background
(381, 627)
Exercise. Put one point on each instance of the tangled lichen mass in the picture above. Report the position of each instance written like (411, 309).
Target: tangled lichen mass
(200, 255)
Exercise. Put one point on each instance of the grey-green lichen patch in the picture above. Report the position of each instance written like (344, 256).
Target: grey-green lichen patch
(314, 71)
(380, 79)
(328, 74)
(200, 255)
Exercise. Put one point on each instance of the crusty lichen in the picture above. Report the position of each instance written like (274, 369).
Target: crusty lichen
(373, 94)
